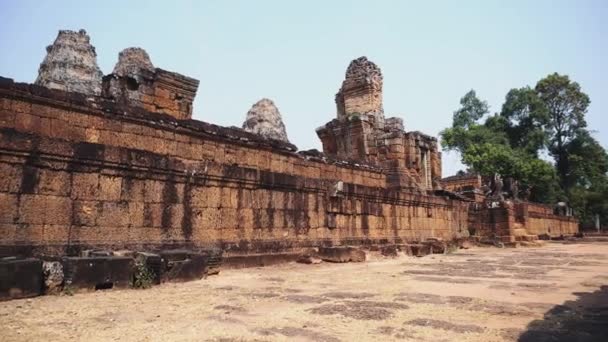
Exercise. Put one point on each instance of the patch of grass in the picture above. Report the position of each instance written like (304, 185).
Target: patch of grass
(68, 289)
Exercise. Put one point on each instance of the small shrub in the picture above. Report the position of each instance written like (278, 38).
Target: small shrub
(143, 277)
(68, 290)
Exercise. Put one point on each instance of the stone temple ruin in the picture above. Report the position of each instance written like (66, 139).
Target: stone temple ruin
(99, 173)
(410, 160)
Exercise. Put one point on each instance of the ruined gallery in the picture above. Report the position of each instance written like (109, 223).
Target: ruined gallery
(107, 167)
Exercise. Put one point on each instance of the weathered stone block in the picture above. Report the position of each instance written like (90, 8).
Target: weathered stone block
(32, 209)
(132, 190)
(85, 186)
(341, 254)
(53, 182)
(11, 177)
(58, 210)
(153, 214)
(53, 276)
(136, 214)
(153, 191)
(9, 208)
(206, 197)
(20, 278)
(109, 188)
(436, 246)
(114, 214)
(98, 273)
(183, 265)
(85, 213)
(391, 251)
(419, 250)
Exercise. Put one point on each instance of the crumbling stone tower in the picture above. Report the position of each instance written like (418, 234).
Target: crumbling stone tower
(136, 82)
(361, 91)
(361, 133)
(71, 64)
(265, 119)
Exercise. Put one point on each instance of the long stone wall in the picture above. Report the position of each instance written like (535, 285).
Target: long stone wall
(540, 220)
(81, 172)
(519, 221)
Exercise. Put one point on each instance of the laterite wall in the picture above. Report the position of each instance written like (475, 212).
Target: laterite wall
(84, 172)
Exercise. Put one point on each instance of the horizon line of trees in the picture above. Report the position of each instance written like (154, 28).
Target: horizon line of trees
(546, 120)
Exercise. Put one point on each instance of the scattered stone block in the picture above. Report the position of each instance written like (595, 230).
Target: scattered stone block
(183, 265)
(391, 251)
(309, 259)
(20, 278)
(341, 254)
(90, 253)
(436, 246)
(124, 253)
(464, 244)
(98, 273)
(419, 249)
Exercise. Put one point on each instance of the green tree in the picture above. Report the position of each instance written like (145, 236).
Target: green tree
(524, 117)
(471, 110)
(587, 178)
(547, 118)
(492, 146)
(566, 105)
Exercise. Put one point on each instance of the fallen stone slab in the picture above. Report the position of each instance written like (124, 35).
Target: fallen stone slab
(436, 246)
(419, 249)
(341, 254)
(183, 265)
(309, 259)
(20, 278)
(465, 244)
(97, 273)
(124, 253)
(258, 260)
(89, 253)
(391, 251)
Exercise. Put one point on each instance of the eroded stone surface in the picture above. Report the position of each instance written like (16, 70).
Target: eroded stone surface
(362, 133)
(136, 82)
(131, 61)
(265, 119)
(71, 64)
(361, 91)
(53, 276)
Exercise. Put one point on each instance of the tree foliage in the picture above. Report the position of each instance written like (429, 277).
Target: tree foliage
(547, 120)
(566, 105)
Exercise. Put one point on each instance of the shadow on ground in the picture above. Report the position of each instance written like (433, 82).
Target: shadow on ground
(584, 319)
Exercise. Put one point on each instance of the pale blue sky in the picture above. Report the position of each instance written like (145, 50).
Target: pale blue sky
(296, 53)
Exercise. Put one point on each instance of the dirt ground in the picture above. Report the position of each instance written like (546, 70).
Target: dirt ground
(558, 292)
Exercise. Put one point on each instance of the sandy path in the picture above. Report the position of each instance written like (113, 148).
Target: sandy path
(480, 294)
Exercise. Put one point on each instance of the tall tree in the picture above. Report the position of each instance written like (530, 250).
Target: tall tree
(493, 146)
(566, 105)
(549, 117)
(471, 109)
(525, 118)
